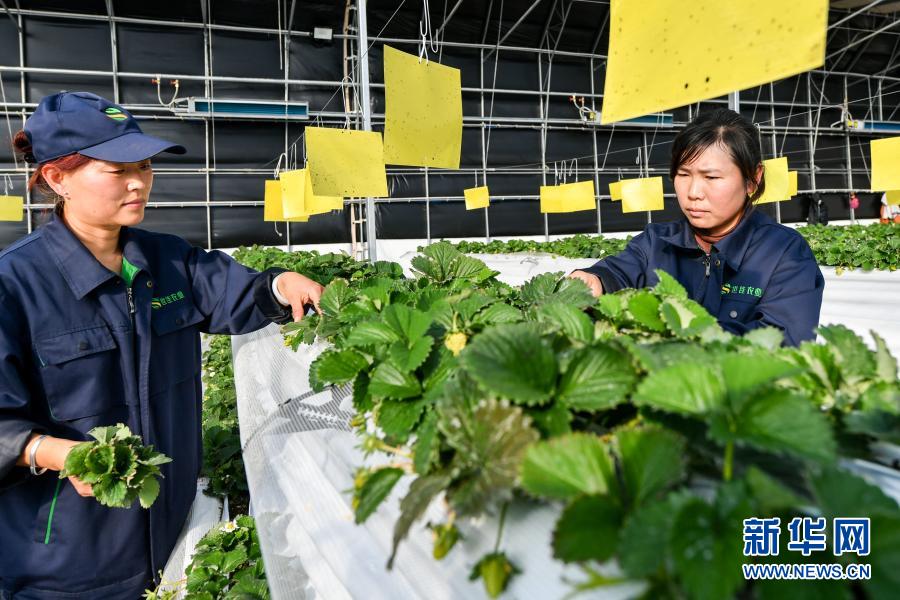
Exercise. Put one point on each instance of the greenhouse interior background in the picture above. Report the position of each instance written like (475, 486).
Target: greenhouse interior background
(520, 61)
(566, 441)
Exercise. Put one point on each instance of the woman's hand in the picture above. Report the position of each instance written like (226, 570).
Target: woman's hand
(61, 448)
(591, 280)
(299, 290)
(51, 454)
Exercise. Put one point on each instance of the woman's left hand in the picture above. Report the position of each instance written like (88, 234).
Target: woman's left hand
(300, 291)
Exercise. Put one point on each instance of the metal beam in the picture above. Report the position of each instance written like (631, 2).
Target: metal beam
(859, 54)
(514, 26)
(9, 14)
(890, 61)
(366, 106)
(447, 19)
(547, 24)
(853, 14)
(863, 39)
(487, 26)
(599, 37)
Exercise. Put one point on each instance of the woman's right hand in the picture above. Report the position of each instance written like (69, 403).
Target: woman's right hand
(52, 454)
(63, 447)
(591, 280)
(84, 489)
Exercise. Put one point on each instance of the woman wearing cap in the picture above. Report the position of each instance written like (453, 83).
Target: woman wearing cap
(746, 269)
(100, 324)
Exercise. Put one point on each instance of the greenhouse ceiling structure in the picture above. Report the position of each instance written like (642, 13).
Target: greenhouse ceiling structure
(238, 81)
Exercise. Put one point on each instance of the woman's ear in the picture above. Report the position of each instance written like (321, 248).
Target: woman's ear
(752, 186)
(55, 178)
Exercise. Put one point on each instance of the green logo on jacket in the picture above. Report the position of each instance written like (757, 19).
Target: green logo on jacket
(743, 290)
(157, 303)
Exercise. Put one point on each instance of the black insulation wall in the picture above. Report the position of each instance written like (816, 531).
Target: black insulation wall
(235, 145)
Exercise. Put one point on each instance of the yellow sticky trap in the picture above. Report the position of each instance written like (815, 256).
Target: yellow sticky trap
(669, 53)
(346, 162)
(293, 194)
(423, 112)
(273, 208)
(615, 191)
(886, 164)
(568, 197)
(792, 184)
(12, 208)
(777, 181)
(893, 197)
(477, 197)
(316, 205)
(640, 195)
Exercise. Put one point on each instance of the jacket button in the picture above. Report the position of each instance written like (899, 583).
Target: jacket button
(733, 314)
(83, 345)
(179, 321)
(718, 263)
(150, 284)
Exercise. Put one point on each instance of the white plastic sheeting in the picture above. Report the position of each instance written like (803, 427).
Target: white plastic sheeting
(300, 455)
(206, 513)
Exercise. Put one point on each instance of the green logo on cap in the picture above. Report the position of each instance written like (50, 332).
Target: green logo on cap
(115, 114)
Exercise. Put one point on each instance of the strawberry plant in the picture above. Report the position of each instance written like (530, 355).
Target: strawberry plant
(866, 247)
(577, 246)
(119, 468)
(652, 430)
(227, 563)
(223, 464)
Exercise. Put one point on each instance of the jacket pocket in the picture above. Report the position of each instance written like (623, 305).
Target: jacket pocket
(738, 308)
(81, 372)
(175, 351)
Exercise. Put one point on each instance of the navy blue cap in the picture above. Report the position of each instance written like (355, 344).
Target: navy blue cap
(90, 125)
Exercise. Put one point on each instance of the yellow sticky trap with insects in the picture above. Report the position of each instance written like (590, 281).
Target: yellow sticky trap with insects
(317, 205)
(273, 208)
(293, 194)
(777, 181)
(477, 197)
(885, 164)
(12, 208)
(792, 184)
(641, 195)
(615, 190)
(568, 197)
(298, 199)
(346, 162)
(669, 53)
(893, 197)
(423, 112)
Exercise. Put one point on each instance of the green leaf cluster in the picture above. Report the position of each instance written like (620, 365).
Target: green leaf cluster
(117, 466)
(227, 565)
(634, 412)
(867, 247)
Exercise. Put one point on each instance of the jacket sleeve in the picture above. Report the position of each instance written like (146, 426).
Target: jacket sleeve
(16, 425)
(235, 299)
(627, 269)
(793, 299)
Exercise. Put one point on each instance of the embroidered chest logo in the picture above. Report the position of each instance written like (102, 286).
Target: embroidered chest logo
(157, 303)
(743, 290)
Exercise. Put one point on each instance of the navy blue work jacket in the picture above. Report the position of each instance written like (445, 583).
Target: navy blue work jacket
(75, 355)
(761, 274)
